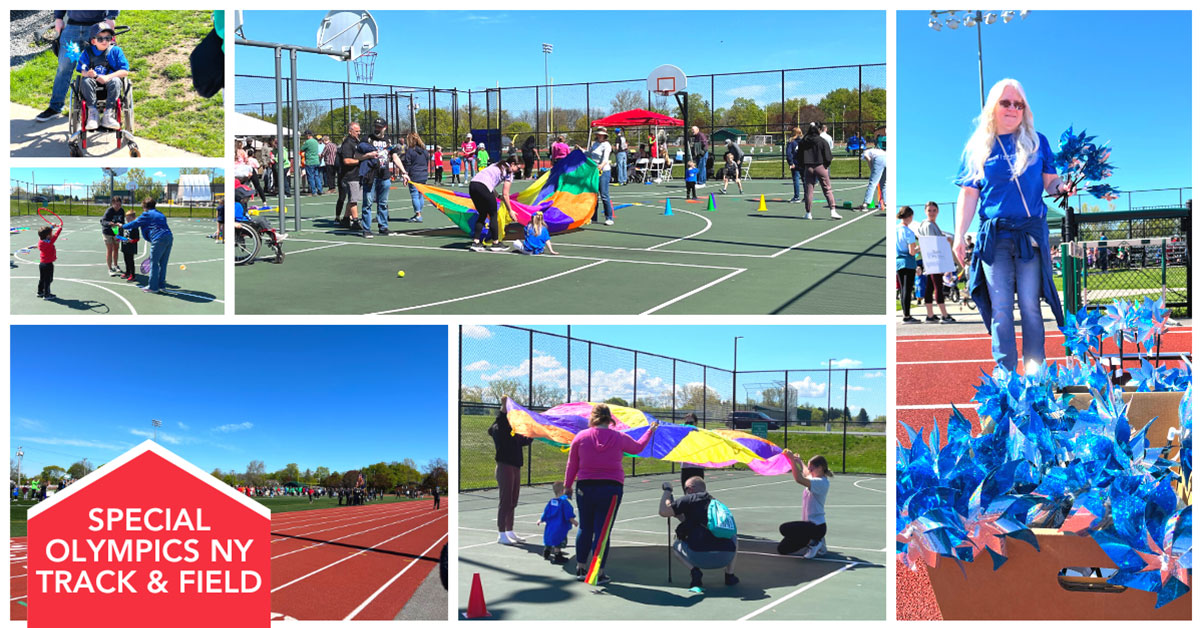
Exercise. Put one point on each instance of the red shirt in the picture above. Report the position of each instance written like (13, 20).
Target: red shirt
(437, 159)
(49, 253)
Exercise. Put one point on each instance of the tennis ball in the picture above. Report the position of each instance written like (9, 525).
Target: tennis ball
(183, 267)
(399, 273)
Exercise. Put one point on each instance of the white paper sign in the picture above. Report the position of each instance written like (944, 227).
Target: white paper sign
(936, 255)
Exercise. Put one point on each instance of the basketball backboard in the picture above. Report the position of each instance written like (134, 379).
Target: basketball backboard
(666, 80)
(348, 31)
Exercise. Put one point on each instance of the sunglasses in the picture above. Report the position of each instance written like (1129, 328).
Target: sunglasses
(104, 38)
(1013, 104)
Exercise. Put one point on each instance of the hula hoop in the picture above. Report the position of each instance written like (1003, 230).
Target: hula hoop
(43, 217)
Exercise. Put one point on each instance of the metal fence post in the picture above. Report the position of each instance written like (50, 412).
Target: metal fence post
(783, 166)
(860, 88)
(845, 413)
(589, 392)
(704, 399)
(674, 394)
(786, 406)
(529, 400)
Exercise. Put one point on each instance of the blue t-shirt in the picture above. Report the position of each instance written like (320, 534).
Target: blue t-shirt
(535, 243)
(455, 165)
(998, 193)
(689, 176)
(114, 58)
(557, 516)
(905, 237)
(153, 225)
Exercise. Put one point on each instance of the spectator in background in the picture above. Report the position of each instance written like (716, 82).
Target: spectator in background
(468, 153)
(509, 459)
(934, 288)
(559, 149)
(414, 168)
(789, 152)
(329, 158)
(876, 158)
(700, 147)
(906, 261)
(312, 163)
(599, 152)
(827, 137)
(621, 148)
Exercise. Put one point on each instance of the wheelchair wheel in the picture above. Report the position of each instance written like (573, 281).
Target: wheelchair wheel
(246, 243)
(127, 110)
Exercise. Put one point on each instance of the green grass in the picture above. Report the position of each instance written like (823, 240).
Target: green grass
(17, 516)
(166, 106)
(27, 208)
(293, 504)
(1125, 279)
(864, 454)
(768, 167)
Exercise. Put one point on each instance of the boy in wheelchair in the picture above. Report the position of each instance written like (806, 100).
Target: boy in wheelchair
(102, 67)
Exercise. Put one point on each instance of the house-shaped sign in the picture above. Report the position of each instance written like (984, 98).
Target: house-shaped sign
(149, 539)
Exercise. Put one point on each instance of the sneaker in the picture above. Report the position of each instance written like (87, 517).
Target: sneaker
(609, 222)
(109, 120)
(580, 573)
(932, 319)
(131, 279)
(478, 248)
(559, 558)
(415, 218)
(499, 248)
(504, 540)
(722, 191)
(808, 215)
(603, 580)
(366, 234)
(795, 200)
(697, 579)
(385, 232)
(49, 114)
(834, 215)
(49, 295)
(40, 295)
(513, 537)
(811, 552)
(93, 120)
(356, 226)
(147, 290)
(908, 320)
(948, 319)
(731, 580)
(113, 272)
(701, 185)
(821, 549)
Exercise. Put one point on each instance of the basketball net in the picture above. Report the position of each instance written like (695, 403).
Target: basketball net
(364, 67)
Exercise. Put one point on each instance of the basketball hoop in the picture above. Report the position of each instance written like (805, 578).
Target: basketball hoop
(364, 66)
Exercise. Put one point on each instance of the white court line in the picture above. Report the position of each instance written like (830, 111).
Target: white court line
(824, 233)
(94, 285)
(318, 248)
(794, 593)
(18, 598)
(490, 292)
(856, 483)
(707, 226)
(692, 292)
(394, 578)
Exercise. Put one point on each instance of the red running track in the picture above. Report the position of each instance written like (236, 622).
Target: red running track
(362, 562)
(934, 372)
(18, 581)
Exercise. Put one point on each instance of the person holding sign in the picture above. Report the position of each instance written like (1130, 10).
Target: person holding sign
(1006, 165)
(934, 242)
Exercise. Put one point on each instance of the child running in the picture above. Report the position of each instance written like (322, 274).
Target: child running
(559, 518)
(456, 169)
(689, 177)
(537, 237)
(808, 534)
(46, 237)
(130, 244)
(731, 172)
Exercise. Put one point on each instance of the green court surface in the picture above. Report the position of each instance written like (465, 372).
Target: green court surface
(848, 582)
(735, 260)
(82, 285)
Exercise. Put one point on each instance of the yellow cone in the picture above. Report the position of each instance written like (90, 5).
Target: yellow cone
(762, 202)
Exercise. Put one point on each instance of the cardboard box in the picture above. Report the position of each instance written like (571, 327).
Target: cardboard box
(1027, 586)
(1144, 406)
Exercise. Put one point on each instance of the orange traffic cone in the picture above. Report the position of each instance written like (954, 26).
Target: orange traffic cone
(762, 202)
(476, 607)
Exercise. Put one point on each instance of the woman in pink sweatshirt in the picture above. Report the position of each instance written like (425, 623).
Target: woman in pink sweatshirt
(595, 460)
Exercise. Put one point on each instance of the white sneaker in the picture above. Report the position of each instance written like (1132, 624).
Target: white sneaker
(821, 549)
(811, 552)
(701, 185)
(93, 121)
(808, 216)
(109, 120)
(512, 536)
(608, 222)
(834, 215)
(504, 540)
(112, 272)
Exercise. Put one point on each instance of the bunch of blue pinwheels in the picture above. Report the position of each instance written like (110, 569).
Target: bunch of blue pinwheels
(1080, 161)
(1046, 464)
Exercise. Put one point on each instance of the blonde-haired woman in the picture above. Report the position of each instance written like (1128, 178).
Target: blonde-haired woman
(1005, 167)
(595, 460)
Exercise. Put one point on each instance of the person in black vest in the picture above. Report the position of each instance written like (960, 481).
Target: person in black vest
(695, 546)
(814, 157)
(509, 459)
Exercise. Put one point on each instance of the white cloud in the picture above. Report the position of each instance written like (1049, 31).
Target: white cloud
(481, 365)
(808, 388)
(853, 387)
(160, 174)
(182, 425)
(873, 374)
(753, 92)
(72, 442)
(845, 363)
(477, 332)
(31, 424)
(174, 440)
(234, 427)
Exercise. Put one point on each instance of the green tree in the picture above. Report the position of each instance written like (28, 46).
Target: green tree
(862, 416)
(52, 474)
(255, 473)
(290, 473)
(616, 401)
(627, 99)
(333, 480)
(471, 394)
(79, 469)
(435, 474)
(320, 474)
(745, 114)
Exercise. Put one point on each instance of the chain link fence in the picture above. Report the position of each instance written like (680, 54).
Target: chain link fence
(838, 412)
(25, 197)
(755, 109)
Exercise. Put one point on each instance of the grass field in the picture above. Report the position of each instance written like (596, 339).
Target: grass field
(294, 504)
(864, 454)
(17, 510)
(166, 106)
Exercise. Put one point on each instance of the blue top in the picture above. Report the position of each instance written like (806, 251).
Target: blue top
(153, 224)
(998, 194)
(904, 237)
(114, 58)
(690, 174)
(455, 164)
(557, 516)
(535, 243)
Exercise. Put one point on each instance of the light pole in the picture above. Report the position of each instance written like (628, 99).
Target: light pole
(547, 50)
(157, 424)
(976, 20)
(20, 454)
(735, 339)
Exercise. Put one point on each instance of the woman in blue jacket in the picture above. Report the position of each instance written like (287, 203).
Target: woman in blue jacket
(155, 230)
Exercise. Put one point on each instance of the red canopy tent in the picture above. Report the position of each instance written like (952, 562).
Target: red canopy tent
(638, 117)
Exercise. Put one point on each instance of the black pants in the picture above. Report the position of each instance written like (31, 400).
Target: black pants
(437, 502)
(45, 276)
(798, 535)
(485, 205)
(437, 175)
(528, 166)
(907, 278)
(128, 254)
(343, 197)
(257, 181)
(691, 189)
(934, 289)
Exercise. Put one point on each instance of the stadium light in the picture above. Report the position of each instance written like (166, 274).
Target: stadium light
(970, 21)
(157, 424)
(1007, 16)
(547, 50)
(989, 18)
(934, 24)
(1024, 14)
(973, 19)
(952, 23)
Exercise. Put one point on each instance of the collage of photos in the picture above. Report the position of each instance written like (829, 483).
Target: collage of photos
(992, 425)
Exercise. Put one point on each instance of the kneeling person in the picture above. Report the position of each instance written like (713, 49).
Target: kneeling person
(696, 545)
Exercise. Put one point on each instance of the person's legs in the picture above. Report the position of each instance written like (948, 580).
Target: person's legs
(418, 200)
(45, 269)
(927, 292)
(810, 181)
(343, 196)
(906, 276)
(622, 167)
(382, 188)
(256, 181)
(505, 505)
(485, 205)
(1001, 279)
(130, 267)
(876, 176)
(1029, 301)
(797, 175)
(702, 175)
(66, 67)
(368, 193)
(87, 91)
(605, 177)
(797, 535)
(164, 259)
(826, 186)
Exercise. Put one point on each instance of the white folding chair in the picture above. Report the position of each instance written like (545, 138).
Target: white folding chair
(656, 168)
(641, 169)
(745, 171)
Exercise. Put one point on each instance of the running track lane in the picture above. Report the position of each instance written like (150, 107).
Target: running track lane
(18, 582)
(336, 580)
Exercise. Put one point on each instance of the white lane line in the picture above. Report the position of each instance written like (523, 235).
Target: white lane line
(856, 483)
(346, 536)
(393, 579)
(707, 225)
(491, 292)
(979, 361)
(794, 593)
(342, 560)
(824, 233)
(692, 292)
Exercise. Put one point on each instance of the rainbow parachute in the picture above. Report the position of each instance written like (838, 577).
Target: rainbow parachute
(673, 443)
(566, 195)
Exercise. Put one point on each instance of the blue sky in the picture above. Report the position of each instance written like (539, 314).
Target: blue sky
(496, 353)
(417, 48)
(1124, 76)
(334, 396)
(78, 176)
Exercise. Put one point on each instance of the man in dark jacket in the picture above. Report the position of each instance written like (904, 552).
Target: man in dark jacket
(700, 155)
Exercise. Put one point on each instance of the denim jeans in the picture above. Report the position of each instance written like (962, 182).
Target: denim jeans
(160, 255)
(1009, 274)
(594, 500)
(797, 181)
(314, 179)
(622, 167)
(418, 199)
(66, 67)
(604, 199)
(376, 193)
(878, 178)
(88, 88)
(702, 163)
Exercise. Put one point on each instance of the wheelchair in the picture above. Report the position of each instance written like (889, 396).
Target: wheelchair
(77, 133)
(249, 235)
